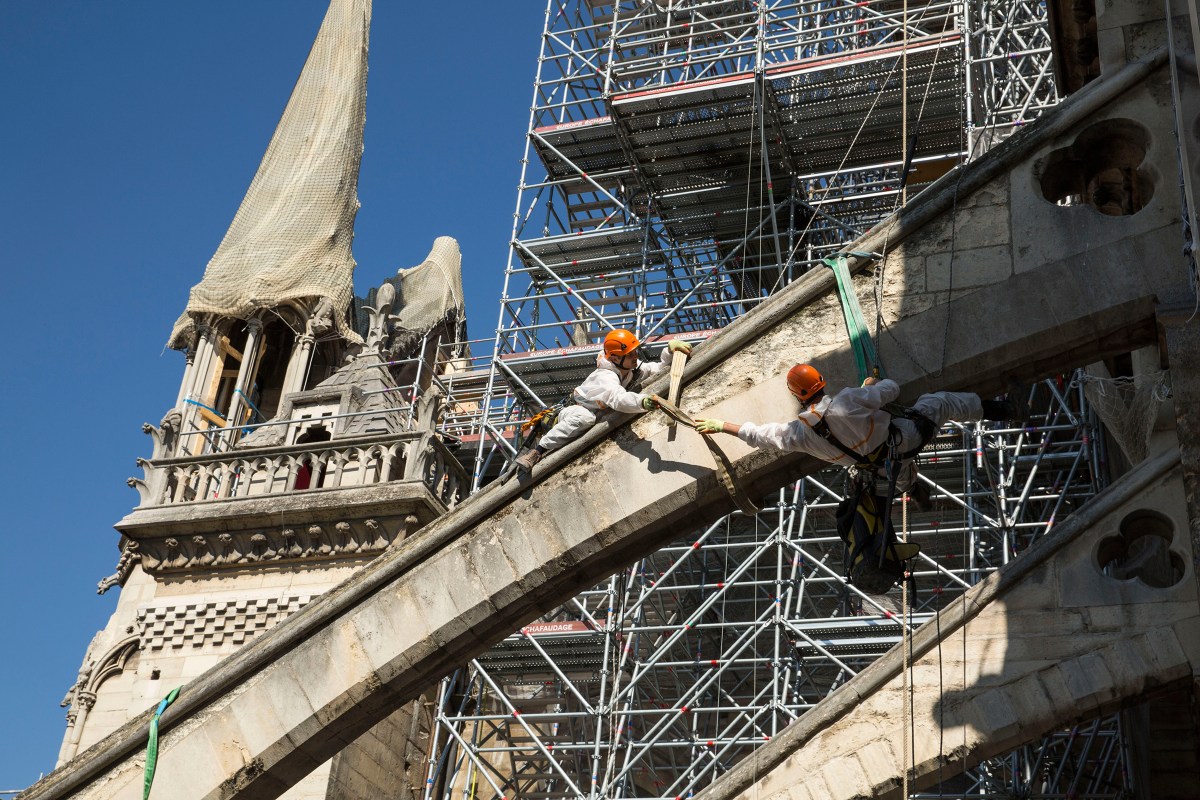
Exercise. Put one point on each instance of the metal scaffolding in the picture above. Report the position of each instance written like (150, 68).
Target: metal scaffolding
(685, 159)
(658, 681)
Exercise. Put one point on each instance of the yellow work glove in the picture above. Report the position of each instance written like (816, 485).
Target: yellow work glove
(709, 426)
(676, 346)
(649, 404)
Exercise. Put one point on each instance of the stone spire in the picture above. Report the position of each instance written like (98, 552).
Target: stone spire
(289, 242)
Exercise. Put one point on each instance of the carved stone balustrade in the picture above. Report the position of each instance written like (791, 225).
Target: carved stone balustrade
(256, 507)
(415, 456)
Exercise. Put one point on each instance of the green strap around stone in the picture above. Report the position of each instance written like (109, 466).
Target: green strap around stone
(856, 326)
(152, 745)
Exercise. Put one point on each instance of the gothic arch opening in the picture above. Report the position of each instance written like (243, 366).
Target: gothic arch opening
(1143, 551)
(267, 386)
(1102, 168)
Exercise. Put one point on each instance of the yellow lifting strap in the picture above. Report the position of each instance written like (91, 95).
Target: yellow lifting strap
(724, 468)
(532, 422)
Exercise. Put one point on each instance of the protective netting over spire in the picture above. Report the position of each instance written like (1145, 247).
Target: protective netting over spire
(430, 292)
(291, 237)
(427, 296)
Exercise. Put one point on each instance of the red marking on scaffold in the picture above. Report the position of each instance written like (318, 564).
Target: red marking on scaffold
(695, 545)
(712, 663)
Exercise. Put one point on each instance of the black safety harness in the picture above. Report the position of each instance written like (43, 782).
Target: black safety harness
(887, 449)
(881, 577)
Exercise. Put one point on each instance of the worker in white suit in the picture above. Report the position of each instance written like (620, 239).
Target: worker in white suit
(607, 387)
(854, 427)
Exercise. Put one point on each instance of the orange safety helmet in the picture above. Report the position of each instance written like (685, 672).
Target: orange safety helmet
(804, 381)
(620, 342)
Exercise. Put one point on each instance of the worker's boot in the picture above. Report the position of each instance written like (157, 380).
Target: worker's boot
(526, 460)
(1013, 408)
(996, 410)
(920, 495)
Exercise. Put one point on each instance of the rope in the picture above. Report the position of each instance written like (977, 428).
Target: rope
(152, 745)
(724, 468)
(865, 356)
(905, 644)
(904, 145)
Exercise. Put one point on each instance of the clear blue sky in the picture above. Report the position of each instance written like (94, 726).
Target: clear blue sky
(130, 132)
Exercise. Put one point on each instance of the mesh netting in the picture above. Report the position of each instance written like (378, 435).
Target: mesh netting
(1127, 407)
(290, 239)
(431, 292)
(427, 296)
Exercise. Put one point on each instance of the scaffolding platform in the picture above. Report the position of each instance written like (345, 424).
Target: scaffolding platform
(683, 160)
(595, 253)
(552, 374)
(578, 654)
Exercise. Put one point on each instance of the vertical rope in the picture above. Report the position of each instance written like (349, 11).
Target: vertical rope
(905, 643)
(904, 102)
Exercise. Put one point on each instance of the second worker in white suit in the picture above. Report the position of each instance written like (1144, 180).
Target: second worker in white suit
(853, 427)
(607, 387)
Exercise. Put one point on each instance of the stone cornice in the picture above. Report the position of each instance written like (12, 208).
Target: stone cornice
(327, 541)
(293, 510)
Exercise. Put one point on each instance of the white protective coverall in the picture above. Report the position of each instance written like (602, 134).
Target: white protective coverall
(606, 387)
(856, 419)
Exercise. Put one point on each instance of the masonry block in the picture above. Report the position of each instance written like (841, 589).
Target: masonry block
(535, 549)
(881, 764)
(393, 632)
(1088, 681)
(257, 728)
(1128, 667)
(1033, 707)
(994, 717)
(1163, 649)
(847, 775)
(488, 565)
(453, 605)
(188, 767)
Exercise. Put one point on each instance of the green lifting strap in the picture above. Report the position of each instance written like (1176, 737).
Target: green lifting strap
(856, 325)
(152, 746)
